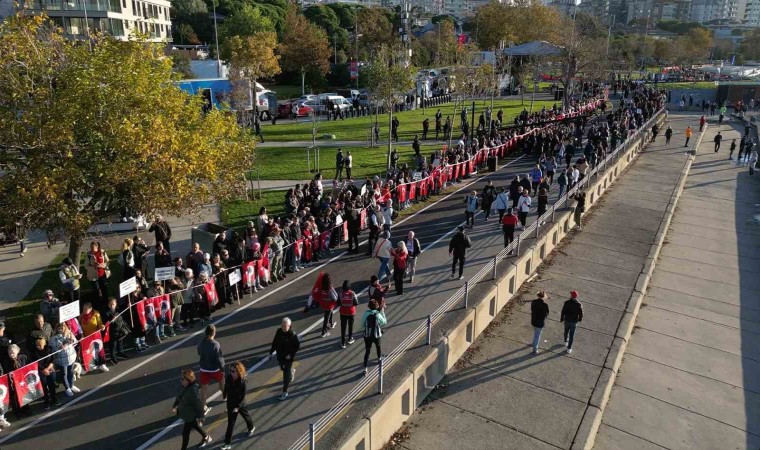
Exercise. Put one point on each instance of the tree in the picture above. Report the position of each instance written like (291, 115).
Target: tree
(375, 30)
(495, 23)
(323, 17)
(77, 146)
(245, 22)
(251, 58)
(386, 78)
(750, 46)
(694, 46)
(441, 44)
(304, 47)
(181, 64)
(583, 53)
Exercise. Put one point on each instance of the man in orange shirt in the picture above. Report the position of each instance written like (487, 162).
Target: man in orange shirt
(688, 135)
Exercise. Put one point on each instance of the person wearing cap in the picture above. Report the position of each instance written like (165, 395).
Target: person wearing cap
(382, 251)
(539, 311)
(49, 306)
(458, 249)
(572, 313)
(472, 203)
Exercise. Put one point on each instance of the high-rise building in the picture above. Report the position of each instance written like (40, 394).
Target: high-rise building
(703, 11)
(119, 18)
(752, 13)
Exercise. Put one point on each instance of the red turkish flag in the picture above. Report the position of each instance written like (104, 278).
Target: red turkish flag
(298, 248)
(5, 394)
(107, 332)
(412, 191)
(249, 273)
(456, 171)
(345, 231)
(140, 310)
(211, 297)
(93, 351)
(363, 219)
(401, 191)
(315, 296)
(26, 384)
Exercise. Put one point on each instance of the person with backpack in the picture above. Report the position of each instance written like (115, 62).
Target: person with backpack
(572, 313)
(458, 249)
(501, 203)
(373, 321)
(286, 344)
(414, 249)
(539, 311)
(382, 252)
(472, 203)
(348, 304)
(400, 257)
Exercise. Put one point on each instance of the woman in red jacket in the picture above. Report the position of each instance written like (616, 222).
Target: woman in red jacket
(400, 256)
(327, 299)
(348, 303)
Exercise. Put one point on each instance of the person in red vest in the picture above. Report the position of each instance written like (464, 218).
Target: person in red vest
(348, 303)
(508, 224)
(702, 123)
(326, 298)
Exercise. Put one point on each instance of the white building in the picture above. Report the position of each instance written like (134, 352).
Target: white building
(119, 18)
(752, 13)
(707, 10)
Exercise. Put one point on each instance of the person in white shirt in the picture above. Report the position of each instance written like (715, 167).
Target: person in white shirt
(523, 208)
(575, 175)
(387, 217)
(383, 253)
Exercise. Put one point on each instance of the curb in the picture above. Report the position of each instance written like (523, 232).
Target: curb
(592, 417)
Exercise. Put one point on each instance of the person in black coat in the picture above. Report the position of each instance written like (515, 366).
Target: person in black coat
(458, 248)
(286, 344)
(117, 332)
(539, 311)
(572, 313)
(234, 392)
(353, 217)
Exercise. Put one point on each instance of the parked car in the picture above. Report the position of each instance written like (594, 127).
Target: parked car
(284, 110)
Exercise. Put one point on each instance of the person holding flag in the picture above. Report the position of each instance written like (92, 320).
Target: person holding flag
(43, 354)
(212, 364)
(92, 323)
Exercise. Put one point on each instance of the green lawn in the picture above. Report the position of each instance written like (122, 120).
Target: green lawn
(359, 128)
(688, 85)
(289, 163)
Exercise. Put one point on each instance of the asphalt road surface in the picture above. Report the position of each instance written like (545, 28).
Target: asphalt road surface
(130, 406)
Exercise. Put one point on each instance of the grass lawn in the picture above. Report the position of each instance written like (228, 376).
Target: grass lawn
(688, 85)
(290, 163)
(359, 128)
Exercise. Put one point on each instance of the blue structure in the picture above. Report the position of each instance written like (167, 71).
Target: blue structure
(216, 90)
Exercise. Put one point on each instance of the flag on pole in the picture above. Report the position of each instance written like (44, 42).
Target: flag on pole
(211, 297)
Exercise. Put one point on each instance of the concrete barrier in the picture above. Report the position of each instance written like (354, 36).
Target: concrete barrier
(373, 432)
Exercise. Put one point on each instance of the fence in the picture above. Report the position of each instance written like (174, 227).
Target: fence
(461, 296)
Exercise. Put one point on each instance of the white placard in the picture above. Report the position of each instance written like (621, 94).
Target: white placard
(163, 273)
(68, 311)
(127, 287)
(417, 176)
(235, 277)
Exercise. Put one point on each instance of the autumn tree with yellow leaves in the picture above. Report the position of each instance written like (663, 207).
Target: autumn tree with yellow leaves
(86, 130)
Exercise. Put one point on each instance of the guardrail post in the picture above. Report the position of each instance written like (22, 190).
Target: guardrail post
(554, 210)
(429, 329)
(538, 225)
(494, 268)
(466, 293)
(380, 378)
(517, 250)
(312, 439)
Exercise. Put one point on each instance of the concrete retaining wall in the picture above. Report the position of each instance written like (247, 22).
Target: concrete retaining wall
(373, 432)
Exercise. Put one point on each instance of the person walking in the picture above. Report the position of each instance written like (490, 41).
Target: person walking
(562, 181)
(718, 138)
(501, 203)
(572, 314)
(732, 149)
(580, 207)
(752, 161)
(348, 304)
(382, 252)
(286, 345)
(414, 249)
(235, 388)
(348, 163)
(373, 320)
(189, 407)
(400, 256)
(539, 311)
(668, 135)
(702, 122)
(472, 202)
(438, 116)
(212, 364)
(489, 195)
(523, 208)
(326, 298)
(458, 249)
(508, 224)
(688, 134)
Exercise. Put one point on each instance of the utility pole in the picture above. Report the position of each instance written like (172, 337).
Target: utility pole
(216, 40)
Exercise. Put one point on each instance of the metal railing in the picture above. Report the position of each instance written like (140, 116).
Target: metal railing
(461, 296)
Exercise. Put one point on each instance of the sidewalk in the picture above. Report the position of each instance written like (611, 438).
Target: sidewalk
(691, 375)
(502, 396)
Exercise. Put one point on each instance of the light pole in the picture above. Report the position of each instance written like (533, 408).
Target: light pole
(216, 41)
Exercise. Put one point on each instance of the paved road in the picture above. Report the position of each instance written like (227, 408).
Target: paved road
(502, 396)
(130, 404)
(691, 375)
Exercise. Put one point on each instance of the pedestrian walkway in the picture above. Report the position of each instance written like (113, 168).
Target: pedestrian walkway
(502, 396)
(691, 374)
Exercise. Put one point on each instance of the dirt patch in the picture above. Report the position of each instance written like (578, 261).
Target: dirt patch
(398, 438)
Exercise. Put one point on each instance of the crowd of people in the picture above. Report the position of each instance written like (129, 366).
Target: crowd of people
(314, 223)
